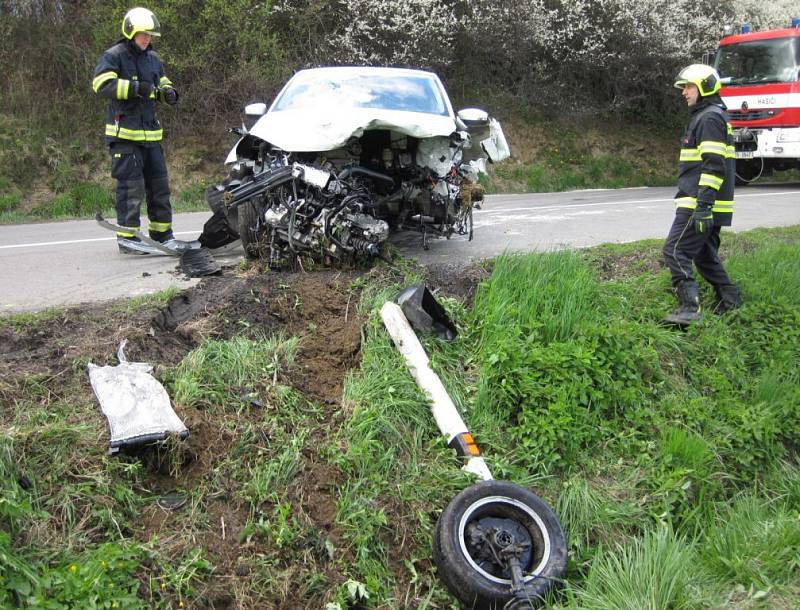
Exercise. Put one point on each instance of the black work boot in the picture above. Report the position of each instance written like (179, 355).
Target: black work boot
(688, 304)
(727, 297)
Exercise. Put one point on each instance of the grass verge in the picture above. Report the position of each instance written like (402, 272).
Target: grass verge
(670, 457)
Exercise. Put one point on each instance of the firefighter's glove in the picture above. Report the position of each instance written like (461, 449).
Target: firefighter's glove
(144, 89)
(703, 218)
(169, 95)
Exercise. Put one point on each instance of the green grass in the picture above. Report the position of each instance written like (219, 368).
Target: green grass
(191, 198)
(9, 202)
(565, 169)
(654, 572)
(647, 438)
(154, 300)
(223, 370)
(753, 543)
(22, 320)
(82, 200)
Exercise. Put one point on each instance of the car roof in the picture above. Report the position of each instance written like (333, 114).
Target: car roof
(366, 70)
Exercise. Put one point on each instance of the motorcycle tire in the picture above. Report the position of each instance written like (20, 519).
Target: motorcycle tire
(482, 584)
(248, 221)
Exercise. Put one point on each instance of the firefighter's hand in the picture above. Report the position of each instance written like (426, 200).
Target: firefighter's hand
(169, 95)
(703, 218)
(144, 89)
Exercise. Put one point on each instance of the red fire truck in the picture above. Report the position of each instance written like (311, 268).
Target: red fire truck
(760, 74)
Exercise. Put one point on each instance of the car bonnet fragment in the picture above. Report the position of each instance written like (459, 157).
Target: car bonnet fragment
(135, 404)
(329, 128)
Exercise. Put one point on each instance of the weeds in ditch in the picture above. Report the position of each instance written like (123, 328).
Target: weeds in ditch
(655, 571)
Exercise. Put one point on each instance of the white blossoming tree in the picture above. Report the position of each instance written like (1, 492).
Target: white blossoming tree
(765, 15)
(588, 54)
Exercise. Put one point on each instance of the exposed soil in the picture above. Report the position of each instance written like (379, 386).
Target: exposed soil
(319, 308)
(622, 266)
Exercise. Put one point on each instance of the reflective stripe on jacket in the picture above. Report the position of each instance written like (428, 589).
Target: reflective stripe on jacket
(129, 117)
(706, 171)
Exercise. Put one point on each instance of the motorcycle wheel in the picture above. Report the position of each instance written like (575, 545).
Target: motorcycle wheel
(508, 510)
(249, 222)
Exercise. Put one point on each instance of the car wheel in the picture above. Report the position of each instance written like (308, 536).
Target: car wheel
(481, 528)
(249, 222)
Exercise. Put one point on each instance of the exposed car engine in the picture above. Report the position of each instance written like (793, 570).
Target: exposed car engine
(311, 180)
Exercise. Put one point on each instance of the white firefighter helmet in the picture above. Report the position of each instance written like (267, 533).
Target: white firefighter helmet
(140, 20)
(704, 77)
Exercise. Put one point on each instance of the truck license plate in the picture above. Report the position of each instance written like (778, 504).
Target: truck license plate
(744, 154)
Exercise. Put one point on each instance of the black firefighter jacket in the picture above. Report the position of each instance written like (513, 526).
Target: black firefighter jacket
(706, 172)
(119, 71)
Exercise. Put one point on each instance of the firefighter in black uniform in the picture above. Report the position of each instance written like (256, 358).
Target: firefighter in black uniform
(132, 77)
(704, 200)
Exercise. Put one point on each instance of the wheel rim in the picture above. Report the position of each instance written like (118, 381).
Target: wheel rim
(517, 512)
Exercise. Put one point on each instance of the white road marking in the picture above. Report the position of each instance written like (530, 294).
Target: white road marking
(512, 218)
(562, 206)
(73, 241)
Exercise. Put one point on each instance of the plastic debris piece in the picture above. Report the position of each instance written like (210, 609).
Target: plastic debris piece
(135, 404)
(425, 313)
(199, 263)
(172, 500)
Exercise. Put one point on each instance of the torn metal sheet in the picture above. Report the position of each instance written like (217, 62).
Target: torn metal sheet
(148, 240)
(135, 404)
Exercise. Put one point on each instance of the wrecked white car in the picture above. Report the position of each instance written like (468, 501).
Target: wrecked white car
(343, 156)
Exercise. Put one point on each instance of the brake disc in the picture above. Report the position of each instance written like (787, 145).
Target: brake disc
(492, 541)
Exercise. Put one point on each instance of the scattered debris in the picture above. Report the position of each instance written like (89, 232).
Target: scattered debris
(194, 262)
(496, 544)
(136, 405)
(199, 263)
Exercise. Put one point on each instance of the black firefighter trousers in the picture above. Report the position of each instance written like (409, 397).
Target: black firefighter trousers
(685, 246)
(141, 173)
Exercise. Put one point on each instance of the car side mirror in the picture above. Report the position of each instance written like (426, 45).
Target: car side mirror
(255, 110)
(252, 112)
(473, 116)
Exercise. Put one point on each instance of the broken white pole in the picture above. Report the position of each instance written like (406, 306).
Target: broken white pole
(444, 411)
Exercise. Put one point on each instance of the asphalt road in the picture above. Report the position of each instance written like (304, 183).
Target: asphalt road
(67, 263)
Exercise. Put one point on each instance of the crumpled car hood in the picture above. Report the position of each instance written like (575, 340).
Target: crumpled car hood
(307, 131)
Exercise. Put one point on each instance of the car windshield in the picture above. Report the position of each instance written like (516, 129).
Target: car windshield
(409, 93)
(775, 60)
